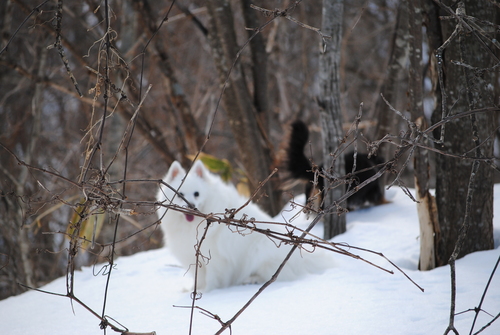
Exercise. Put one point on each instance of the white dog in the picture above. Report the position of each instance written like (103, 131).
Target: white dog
(229, 255)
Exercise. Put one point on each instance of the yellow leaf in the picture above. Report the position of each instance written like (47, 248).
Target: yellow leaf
(90, 227)
(216, 165)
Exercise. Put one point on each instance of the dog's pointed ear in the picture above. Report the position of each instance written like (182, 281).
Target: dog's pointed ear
(174, 171)
(199, 169)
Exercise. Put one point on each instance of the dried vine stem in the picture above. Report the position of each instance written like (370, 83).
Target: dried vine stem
(461, 238)
(195, 295)
(60, 50)
(284, 13)
(478, 308)
(81, 303)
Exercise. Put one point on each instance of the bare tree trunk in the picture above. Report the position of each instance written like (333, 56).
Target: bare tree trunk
(426, 205)
(386, 121)
(239, 106)
(259, 66)
(191, 138)
(464, 90)
(331, 114)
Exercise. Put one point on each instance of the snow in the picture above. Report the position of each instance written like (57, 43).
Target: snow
(147, 291)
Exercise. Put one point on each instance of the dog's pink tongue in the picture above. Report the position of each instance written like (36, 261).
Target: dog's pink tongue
(189, 217)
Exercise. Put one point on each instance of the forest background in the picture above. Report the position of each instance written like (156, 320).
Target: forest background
(98, 99)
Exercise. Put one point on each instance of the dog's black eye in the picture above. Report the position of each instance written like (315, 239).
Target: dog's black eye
(196, 194)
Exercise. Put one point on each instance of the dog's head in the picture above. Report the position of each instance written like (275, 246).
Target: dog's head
(191, 188)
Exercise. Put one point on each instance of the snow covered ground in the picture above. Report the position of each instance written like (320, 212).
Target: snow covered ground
(146, 291)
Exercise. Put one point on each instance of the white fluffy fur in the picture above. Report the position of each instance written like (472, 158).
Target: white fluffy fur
(229, 257)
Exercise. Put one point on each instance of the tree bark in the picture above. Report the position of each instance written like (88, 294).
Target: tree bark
(465, 91)
(331, 115)
(238, 103)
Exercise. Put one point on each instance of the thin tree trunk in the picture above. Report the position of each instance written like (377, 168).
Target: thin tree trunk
(386, 121)
(331, 114)
(426, 206)
(190, 138)
(434, 39)
(259, 66)
(238, 104)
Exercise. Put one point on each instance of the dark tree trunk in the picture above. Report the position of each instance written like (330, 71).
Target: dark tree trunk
(466, 91)
(331, 114)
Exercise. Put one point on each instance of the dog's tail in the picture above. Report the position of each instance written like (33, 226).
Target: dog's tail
(298, 165)
(300, 168)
